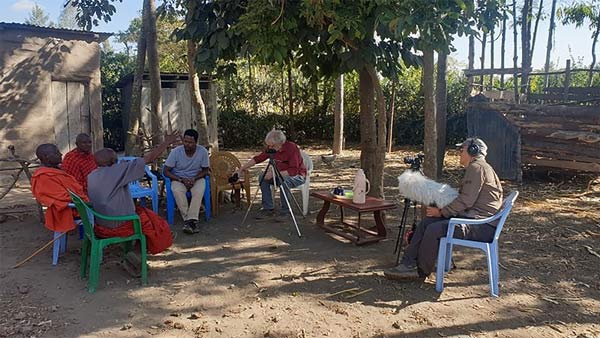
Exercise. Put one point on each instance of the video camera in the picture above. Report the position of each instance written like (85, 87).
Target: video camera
(233, 179)
(415, 161)
(270, 151)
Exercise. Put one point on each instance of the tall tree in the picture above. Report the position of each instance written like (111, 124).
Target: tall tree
(441, 93)
(338, 116)
(430, 165)
(551, 29)
(580, 13)
(149, 23)
(68, 18)
(38, 17)
(526, 44)
(134, 143)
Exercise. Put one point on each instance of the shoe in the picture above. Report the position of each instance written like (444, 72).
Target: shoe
(195, 226)
(402, 272)
(283, 216)
(188, 227)
(262, 214)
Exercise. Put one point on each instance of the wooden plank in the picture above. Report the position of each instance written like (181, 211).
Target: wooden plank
(170, 106)
(145, 105)
(530, 143)
(538, 154)
(591, 167)
(74, 101)
(588, 137)
(185, 106)
(592, 91)
(490, 71)
(86, 123)
(563, 97)
(61, 121)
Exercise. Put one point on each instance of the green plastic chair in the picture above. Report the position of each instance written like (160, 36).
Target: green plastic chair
(93, 246)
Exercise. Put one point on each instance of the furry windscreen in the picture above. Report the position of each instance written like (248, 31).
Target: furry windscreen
(413, 185)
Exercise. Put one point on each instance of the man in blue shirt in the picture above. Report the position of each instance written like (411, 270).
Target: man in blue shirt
(187, 166)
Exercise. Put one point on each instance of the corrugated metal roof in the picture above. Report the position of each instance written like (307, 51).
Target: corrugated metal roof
(15, 25)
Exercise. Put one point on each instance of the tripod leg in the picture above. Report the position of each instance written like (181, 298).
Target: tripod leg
(402, 227)
(291, 212)
(262, 178)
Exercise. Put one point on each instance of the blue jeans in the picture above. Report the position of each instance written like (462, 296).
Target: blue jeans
(289, 183)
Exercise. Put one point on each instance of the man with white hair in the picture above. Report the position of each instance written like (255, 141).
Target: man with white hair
(288, 161)
(480, 197)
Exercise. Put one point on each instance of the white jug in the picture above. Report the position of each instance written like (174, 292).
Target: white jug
(361, 187)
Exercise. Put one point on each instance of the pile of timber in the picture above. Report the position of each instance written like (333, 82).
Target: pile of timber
(557, 136)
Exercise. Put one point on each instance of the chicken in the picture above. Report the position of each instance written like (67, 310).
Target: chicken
(328, 159)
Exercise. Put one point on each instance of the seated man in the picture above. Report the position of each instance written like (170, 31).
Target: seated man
(480, 197)
(50, 186)
(108, 189)
(187, 166)
(290, 164)
(79, 162)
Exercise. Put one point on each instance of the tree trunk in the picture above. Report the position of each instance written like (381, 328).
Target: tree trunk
(196, 96)
(251, 88)
(594, 42)
(372, 155)
(515, 53)
(482, 59)
(430, 143)
(292, 131)
(525, 45)
(390, 135)
(338, 116)
(134, 145)
(535, 29)
(503, 48)
(471, 64)
(154, 70)
(441, 109)
(492, 50)
(549, 45)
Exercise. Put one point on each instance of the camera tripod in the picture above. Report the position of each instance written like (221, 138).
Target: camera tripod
(403, 224)
(278, 181)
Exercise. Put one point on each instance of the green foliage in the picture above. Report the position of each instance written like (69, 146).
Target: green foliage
(38, 17)
(113, 66)
(579, 13)
(90, 12)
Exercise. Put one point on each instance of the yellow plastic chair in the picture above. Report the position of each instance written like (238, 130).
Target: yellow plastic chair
(222, 165)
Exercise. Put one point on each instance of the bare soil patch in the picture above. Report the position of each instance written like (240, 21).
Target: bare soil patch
(261, 280)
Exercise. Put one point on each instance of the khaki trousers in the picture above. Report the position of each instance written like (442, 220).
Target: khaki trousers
(191, 210)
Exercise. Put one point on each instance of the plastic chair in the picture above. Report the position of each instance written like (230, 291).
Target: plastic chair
(92, 246)
(304, 188)
(137, 191)
(171, 199)
(60, 245)
(223, 164)
(490, 249)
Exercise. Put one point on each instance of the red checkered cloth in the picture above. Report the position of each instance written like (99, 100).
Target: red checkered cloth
(79, 165)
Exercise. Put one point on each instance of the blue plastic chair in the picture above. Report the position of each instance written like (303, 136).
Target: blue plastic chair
(171, 198)
(490, 249)
(60, 245)
(137, 191)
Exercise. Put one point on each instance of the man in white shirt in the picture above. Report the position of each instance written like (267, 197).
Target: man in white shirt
(187, 166)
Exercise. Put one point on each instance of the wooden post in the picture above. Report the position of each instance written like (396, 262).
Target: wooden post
(503, 48)
(515, 55)
(567, 80)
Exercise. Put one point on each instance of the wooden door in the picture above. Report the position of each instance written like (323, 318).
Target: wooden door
(71, 111)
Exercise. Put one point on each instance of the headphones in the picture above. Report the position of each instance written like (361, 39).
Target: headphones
(473, 149)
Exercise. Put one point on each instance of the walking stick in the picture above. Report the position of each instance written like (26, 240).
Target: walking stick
(38, 251)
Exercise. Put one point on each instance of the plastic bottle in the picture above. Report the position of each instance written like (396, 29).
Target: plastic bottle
(361, 187)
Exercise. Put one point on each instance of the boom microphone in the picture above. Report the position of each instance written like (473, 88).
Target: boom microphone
(414, 186)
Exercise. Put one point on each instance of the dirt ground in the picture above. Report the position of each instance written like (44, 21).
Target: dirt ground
(261, 280)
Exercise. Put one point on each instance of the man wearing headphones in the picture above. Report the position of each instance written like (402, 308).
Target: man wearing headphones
(480, 197)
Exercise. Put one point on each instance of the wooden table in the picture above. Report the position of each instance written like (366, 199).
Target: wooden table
(354, 232)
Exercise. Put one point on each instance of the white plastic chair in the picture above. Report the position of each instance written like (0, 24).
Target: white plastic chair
(490, 249)
(304, 188)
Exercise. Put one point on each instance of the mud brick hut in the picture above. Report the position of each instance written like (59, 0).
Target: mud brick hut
(50, 87)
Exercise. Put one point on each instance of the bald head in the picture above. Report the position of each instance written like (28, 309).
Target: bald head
(105, 157)
(83, 142)
(49, 155)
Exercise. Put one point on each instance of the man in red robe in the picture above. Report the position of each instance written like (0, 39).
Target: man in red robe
(50, 186)
(79, 162)
(108, 189)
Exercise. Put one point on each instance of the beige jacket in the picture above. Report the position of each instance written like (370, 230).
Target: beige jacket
(480, 193)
